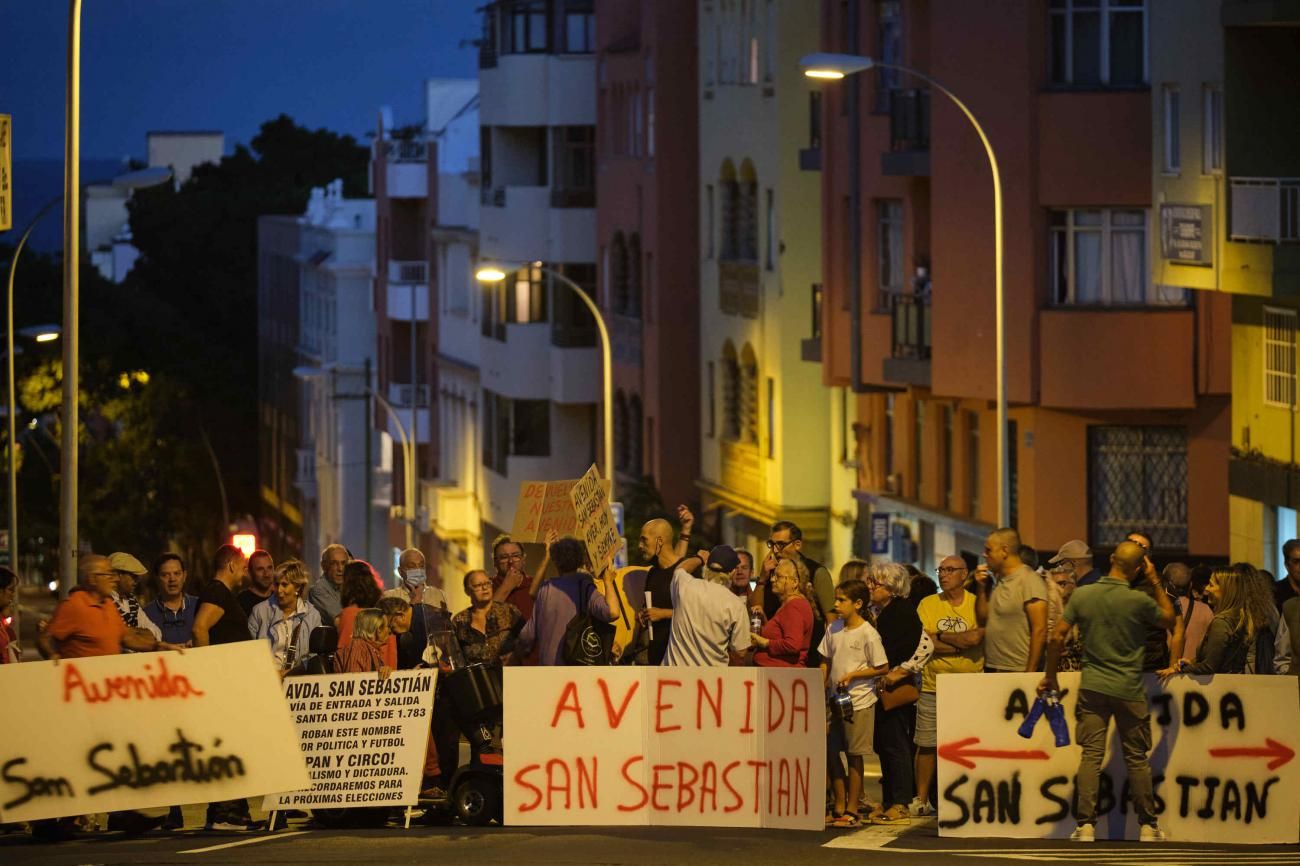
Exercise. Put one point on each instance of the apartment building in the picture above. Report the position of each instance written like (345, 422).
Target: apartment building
(1118, 374)
(766, 420)
(647, 182)
(538, 363)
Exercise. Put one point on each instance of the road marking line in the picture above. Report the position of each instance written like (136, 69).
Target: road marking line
(269, 838)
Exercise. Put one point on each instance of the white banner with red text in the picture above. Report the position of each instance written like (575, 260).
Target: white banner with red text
(1223, 761)
(363, 738)
(720, 747)
(143, 730)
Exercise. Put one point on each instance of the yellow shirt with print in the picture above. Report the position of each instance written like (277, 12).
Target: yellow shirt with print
(939, 616)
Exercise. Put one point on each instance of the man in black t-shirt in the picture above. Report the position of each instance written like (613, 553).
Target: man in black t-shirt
(221, 620)
(261, 581)
(656, 547)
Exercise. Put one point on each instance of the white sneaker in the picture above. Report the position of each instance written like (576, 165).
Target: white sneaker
(920, 808)
(1086, 833)
(1152, 833)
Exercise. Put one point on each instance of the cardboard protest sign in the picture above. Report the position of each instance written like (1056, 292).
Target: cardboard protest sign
(363, 738)
(144, 730)
(714, 747)
(543, 506)
(1222, 765)
(596, 524)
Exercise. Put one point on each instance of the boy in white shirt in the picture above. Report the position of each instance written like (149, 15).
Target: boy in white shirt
(852, 657)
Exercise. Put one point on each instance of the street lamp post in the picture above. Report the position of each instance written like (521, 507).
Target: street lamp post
(836, 66)
(498, 272)
(71, 306)
(407, 441)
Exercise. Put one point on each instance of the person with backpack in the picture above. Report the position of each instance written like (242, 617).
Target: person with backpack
(571, 602)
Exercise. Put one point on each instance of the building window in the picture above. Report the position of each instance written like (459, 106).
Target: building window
(710, 46)
(632, 302)
(1279, 357)
(769, 40)
(496, 431)
(574, 154)
(1172, 119)
(1098, 42)
(771, 418)
(572, 324)
(579, 27)
(530, 427)
(525, 30)
(730, 393)
(1099, 258)
(1212, 130)
(973, 462)
(648, 295)
(749, 396)
(711, 388)
(770, 251)
(620, 431)
(650, 122)
(815, 120)
(889, 48)
(1138, 478)
(634, 422)
(729, 189)
(618, 266)
(947, 457)
(525, 302)
(747, 214)
(918, 445)
(889, 250)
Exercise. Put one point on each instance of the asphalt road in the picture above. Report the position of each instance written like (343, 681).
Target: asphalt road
(918, 845)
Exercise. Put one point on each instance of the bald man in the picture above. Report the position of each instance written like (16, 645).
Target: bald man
(657, 548)
(1013, 613)
(87, 622)
(1113, 620)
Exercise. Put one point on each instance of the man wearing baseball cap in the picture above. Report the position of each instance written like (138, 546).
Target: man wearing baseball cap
(129, 572)
(1077, 555)
(709, 623)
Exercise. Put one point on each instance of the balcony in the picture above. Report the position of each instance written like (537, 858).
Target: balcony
(452, 511)
(520, 223)
(909, 357)
(401, 397)
(738, 288)
(909, 134)
(406, 164)
(741, 469)
(408, 291)
(1265, 210)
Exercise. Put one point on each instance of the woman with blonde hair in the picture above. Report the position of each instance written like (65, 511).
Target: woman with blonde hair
(1237, 618)
(286, 618)
(784, 639)
(365, 652)
(853, 569)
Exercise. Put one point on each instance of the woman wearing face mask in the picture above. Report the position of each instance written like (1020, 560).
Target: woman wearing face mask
(286, 619)
(487, 629)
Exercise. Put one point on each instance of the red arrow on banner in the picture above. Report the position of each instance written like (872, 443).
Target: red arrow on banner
(1280, 753)
(958, 753)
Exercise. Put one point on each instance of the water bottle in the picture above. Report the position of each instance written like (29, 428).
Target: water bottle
(755, 622)
(1056, 720)
(1026, 728)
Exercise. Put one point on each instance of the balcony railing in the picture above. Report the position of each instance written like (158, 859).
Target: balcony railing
(401, 395)
(738, 288)
(1265, 209)
(407, 150)
(911, 327)
(909, 120)
(492, 196)
(408, 272)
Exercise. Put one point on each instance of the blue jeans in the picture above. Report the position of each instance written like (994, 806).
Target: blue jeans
(893, 743)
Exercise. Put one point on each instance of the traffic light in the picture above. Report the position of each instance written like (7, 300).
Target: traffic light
(245, 541)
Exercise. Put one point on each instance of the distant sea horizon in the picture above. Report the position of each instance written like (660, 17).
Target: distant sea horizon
(35, 182)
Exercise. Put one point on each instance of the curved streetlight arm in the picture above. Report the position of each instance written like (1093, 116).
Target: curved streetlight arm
(408, 458)
(607, 370)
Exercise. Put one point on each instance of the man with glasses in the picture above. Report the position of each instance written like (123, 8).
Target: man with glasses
(786, 542)
(511, 583)
(949, 619)
(1078, 555)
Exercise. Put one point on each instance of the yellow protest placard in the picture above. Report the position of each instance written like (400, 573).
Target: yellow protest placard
(596, 526)
(543, 506)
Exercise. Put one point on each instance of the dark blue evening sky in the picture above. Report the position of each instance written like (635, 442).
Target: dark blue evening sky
(224, 65)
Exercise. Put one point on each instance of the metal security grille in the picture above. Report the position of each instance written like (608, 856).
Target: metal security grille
(1279, 357)
(1138, 482)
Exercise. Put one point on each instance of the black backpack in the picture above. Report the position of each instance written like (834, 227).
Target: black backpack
(587, 641)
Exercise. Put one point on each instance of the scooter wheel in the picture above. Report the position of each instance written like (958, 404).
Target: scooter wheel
(476, 801)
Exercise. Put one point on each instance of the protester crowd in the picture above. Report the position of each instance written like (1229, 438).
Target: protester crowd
(881, 634)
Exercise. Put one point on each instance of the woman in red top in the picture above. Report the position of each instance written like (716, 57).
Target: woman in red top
(357, 592)
(784, 640)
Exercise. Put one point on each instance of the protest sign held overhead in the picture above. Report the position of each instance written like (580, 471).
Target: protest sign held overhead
(363, 738)
(596, 526)
(145, 730)
(1222, 765)
(544, 506)
(722, 747)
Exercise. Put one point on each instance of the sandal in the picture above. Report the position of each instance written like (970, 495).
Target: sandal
(847, 821)
(894, 815)
(831, 817)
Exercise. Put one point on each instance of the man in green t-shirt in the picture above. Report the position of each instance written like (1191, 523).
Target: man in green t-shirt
(1113, 620)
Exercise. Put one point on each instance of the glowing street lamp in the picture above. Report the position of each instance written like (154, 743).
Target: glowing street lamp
(832, 67)
(496, 273)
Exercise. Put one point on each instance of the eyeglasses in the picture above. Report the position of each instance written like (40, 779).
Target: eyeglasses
(509, 556)
(778, 546)
(480, 586)
(954, 569)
